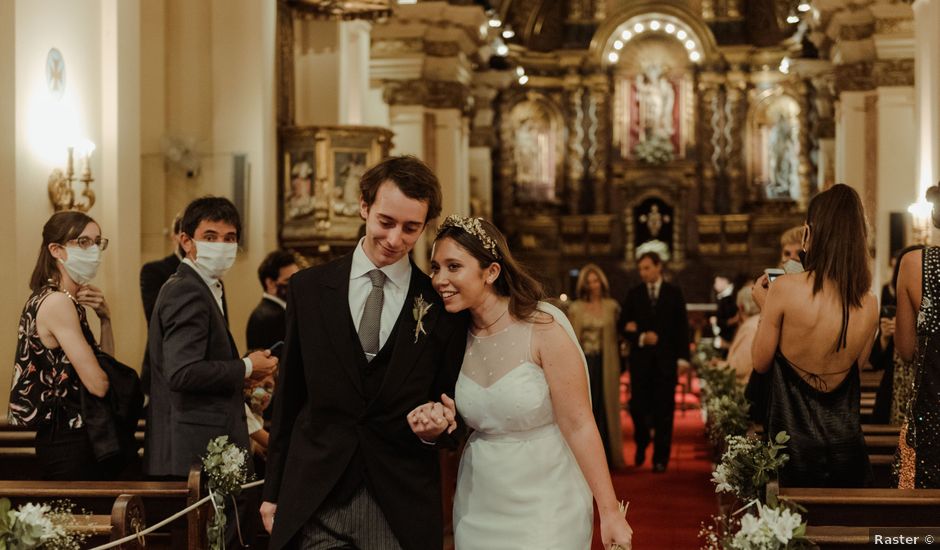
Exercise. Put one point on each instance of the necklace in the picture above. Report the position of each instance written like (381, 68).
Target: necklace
(501, 315)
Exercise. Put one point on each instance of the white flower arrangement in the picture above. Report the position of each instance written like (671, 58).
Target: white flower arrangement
(226, 465)
(654, 245)
(655, 149)
(32, 526)
(771, 529)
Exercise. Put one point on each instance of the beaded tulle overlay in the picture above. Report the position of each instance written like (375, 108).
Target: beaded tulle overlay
(519, 485)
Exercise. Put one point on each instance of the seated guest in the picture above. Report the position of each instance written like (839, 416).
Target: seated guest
(257, 401)
(267, 324)
(739, 354)
(816, 328)
(56, 350)
(916, 339)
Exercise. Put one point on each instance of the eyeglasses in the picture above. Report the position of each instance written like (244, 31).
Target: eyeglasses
(87, 242)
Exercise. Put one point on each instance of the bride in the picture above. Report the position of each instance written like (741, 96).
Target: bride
(535, 457)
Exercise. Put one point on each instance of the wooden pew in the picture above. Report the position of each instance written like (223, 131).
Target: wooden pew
(162, 499)
(127, 518)
(864, 507)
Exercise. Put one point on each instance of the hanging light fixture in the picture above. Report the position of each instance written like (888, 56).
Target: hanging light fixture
(343, 9)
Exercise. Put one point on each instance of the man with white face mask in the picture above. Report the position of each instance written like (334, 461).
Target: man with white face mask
(197, 375)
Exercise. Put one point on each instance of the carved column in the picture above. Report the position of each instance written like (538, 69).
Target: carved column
(574, 161)
(711, 137)
(927, 87)
(735, 113)
(599, 136)
(483, 139)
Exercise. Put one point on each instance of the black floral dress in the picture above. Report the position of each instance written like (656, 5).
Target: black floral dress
(45, 388)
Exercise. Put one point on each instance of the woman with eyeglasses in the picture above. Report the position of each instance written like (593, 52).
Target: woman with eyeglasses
(56, 348)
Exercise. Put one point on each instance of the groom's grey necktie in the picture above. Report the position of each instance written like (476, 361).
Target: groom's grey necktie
(372, 315)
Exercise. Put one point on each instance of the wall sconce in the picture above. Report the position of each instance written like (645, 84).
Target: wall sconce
(921, 212)
(61, 193)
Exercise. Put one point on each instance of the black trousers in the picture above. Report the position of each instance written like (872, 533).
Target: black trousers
(652, 406)
(65, 454)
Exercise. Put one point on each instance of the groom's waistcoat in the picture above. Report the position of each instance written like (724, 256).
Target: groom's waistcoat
(372, 374)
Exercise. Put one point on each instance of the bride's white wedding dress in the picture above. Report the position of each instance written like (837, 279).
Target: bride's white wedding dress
(519, 486)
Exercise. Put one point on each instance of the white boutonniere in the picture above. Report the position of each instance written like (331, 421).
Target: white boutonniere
(419, 310)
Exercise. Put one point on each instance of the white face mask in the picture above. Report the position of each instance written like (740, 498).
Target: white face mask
(82, 264)
(215, 258)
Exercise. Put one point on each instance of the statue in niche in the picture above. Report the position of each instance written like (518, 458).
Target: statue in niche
(654, 220)
(653, 228)
(784, 182)
(535, 165)
(656, 98)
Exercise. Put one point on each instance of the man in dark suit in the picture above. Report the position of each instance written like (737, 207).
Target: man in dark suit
(267, 324)
(656, 324)
(197, 374)
(344, 468)
(152, 276)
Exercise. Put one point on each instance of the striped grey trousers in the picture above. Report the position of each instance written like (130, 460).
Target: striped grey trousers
(355, 525)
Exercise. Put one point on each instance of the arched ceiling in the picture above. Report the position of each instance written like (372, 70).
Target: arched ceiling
(546, 25)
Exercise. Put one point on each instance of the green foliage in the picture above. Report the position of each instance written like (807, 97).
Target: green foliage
(749, 464)
(226, 466)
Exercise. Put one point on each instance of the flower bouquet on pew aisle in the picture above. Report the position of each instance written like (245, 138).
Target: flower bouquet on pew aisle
(773, 528)
(32, 526)
(226, 466)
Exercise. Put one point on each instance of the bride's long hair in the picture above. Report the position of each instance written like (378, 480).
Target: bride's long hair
(514, 282)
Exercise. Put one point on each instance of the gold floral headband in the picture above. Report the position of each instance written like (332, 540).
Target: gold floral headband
(473, 227)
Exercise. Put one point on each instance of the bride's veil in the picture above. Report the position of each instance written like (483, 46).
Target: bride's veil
(562, 320)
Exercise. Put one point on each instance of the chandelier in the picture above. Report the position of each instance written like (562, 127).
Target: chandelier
(343, 9)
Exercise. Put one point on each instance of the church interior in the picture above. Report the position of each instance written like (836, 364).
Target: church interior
(588, 131)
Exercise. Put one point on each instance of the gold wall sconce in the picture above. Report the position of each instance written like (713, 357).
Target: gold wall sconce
(921, 212)
(61, 191)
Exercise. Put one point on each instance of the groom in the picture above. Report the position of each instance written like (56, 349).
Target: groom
(368, 340)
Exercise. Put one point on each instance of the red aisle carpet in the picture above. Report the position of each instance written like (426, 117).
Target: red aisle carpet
(666, 510)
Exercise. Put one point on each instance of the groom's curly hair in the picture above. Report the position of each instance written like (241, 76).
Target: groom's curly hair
(514, 281)
(412, 176)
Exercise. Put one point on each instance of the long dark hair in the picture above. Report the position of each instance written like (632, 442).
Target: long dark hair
(61, 228)
(514, 281)
(838, 247)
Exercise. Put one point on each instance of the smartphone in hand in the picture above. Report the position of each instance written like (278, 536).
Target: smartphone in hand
(773, 273)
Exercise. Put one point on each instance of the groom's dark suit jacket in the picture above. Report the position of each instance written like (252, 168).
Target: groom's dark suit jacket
(335, 424)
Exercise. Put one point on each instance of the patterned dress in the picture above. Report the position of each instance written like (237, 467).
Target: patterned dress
(45, 386)
(920, 436)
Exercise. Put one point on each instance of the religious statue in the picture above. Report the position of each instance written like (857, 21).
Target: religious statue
(784, 176)
(654, 220)
(535, 166)
(656, 99)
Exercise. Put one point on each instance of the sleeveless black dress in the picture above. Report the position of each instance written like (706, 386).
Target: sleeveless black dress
(826, 447)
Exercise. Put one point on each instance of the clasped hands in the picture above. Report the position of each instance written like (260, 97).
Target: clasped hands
(430, 420)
